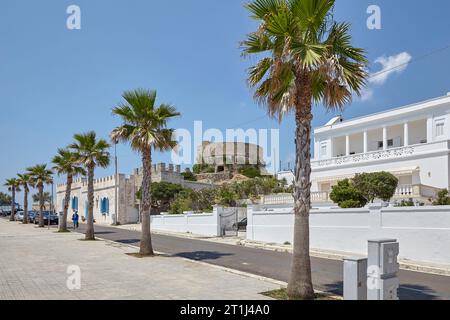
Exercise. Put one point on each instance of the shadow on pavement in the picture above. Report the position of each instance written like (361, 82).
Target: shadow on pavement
(202, 255)
(128, 241)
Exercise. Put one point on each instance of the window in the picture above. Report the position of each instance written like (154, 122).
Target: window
(440, 128)
(323, 150)
(104, 206)
(390, 143)
(75, 203)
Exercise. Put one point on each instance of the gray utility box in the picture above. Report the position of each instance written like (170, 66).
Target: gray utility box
(383, 268)
(355, 278)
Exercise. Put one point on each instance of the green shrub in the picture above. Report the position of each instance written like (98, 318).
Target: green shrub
(347, 196)
(203, 168)
(250, 172)
(189, 176)
(350, 204)
(406, 203)
(443, 198)
(378, 185)
(180, 205)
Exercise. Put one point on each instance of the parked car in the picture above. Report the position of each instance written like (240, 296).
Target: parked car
(241, 225)
(54, 219)
(32, 216)
(19, 216)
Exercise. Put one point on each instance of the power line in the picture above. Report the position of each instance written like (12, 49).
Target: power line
(410, 62)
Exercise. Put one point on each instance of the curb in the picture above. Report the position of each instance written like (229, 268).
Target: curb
(229, 270)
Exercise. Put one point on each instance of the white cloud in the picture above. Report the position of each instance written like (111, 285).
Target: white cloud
(392, 64)
(366, 94)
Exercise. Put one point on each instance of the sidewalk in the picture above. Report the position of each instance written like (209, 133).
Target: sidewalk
(325, 254)
(34, 262)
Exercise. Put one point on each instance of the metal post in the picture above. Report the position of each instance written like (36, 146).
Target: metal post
(116, 218)
(51, 209)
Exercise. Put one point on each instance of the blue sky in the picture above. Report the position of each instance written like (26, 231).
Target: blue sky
(55, 82)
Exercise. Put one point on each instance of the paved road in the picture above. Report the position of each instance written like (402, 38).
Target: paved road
(327, 274)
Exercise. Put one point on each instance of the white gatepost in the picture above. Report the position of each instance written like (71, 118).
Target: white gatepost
(250, 233)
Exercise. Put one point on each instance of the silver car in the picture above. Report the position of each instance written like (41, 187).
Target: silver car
(19, 216)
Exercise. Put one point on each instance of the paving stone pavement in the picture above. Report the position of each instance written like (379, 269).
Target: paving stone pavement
(34, 262)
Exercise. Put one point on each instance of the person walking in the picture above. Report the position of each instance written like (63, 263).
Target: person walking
(75, 218)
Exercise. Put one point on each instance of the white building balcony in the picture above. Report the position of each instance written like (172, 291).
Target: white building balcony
(383, 155)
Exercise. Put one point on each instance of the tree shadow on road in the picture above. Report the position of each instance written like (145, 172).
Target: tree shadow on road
(202, 255)
(405, 292)
(128, 241)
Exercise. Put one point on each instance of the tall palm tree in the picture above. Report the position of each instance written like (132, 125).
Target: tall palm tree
(67, 162)
(91, 153)
(24, 181)
(40, 176)
(13, 186)
(145, 128)
(306, 58)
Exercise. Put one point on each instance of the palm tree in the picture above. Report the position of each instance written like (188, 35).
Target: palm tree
(306, 58)
(24, 181)
(91, 153)
(67, 162)
(40, 176)
(13, 186)
(145, 128)
(46, 198)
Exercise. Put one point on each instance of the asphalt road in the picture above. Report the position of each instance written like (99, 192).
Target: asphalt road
(327, 274)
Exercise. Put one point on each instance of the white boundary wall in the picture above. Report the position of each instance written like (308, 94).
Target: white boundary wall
(423, 232)
(207, 224)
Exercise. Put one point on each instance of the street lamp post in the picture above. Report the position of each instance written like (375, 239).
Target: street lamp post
(51, 209)
(116, 218)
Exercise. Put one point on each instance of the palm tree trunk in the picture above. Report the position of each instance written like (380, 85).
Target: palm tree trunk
(41, 206)
(90, 235)
(25, 206)
(63, 223)
(146, 247)
(13, 205)
(300, 283)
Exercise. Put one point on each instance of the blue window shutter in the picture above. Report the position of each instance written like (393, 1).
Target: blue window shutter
(107, 206)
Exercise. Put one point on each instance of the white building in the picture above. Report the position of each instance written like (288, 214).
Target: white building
(411, 142)
(127, 186)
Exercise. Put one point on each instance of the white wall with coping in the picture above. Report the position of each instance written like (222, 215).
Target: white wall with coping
(207, 224)
(423, 233)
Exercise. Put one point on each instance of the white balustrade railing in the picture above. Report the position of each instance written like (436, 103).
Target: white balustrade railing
(365, 157)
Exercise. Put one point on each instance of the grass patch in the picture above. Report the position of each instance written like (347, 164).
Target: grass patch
(281, 294)
(67, 231)
(95, 240)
